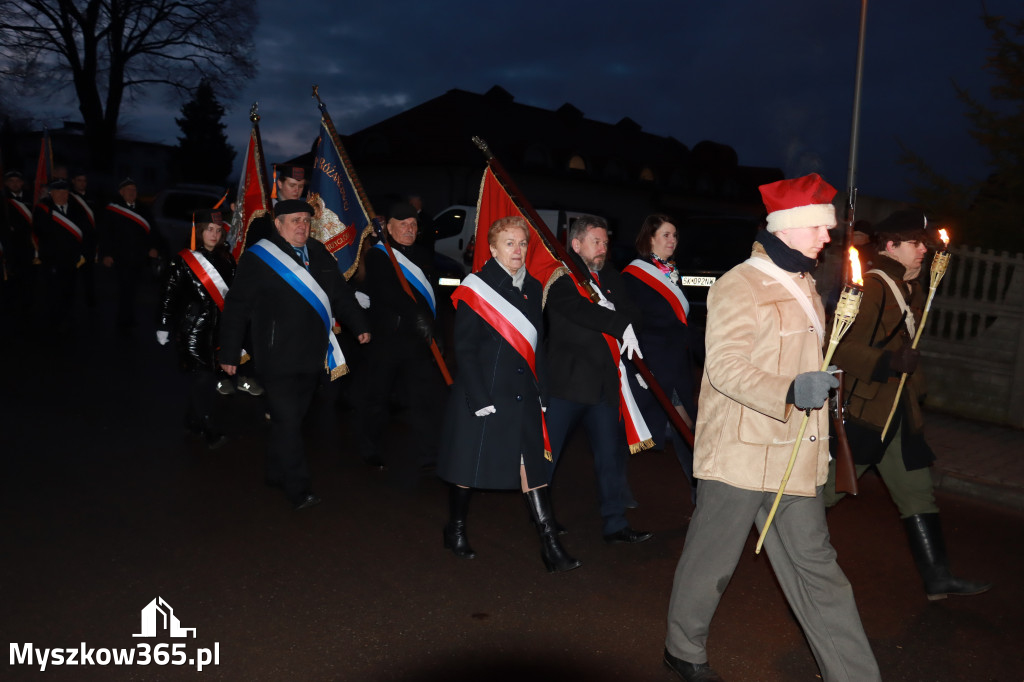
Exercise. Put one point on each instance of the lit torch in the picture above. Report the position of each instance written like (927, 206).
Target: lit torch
(845, 314)
(938, 271)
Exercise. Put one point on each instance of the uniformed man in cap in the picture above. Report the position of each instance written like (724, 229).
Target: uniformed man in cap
(60, 227)
(288, 292)
(128, 244)
(399, 363)
(79, 182)
(875, 353)
(18, 249)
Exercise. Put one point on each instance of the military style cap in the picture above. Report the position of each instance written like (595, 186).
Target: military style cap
(14, 174)
(292, 206)
(905, 222)
(125, 183)
(58, 183)
(293, 172)
(401, 211)
(203, 216)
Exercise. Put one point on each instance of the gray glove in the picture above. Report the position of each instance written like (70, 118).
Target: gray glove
(810, 389)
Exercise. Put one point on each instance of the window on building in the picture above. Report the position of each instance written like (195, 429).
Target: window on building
(577, 163)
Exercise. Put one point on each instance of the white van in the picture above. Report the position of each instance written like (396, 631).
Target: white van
(455, 225)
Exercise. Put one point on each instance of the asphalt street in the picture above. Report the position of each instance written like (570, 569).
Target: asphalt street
(107, 504)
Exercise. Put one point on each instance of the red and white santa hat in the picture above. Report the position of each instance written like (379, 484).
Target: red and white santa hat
(800, 202)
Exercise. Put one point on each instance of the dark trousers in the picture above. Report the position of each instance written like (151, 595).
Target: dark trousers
(202, 395)
(129, 277)
(60, 296)
(288, 399)
(407, 372)
(608, 443)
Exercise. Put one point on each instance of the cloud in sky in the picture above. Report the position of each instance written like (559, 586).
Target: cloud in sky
(776, 83)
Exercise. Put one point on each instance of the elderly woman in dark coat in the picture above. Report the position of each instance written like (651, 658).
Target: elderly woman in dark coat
(493, 435)
(193, 298)
(652, 282)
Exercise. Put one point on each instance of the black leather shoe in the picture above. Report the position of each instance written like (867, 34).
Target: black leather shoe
(628, 536)
(691, 672)
(310, 500)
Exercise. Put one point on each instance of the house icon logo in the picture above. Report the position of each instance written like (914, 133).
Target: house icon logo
(159, 616)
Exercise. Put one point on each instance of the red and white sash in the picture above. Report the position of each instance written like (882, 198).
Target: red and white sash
(638, 435)
(21, 208)
(508, 321)
(208, 276)
(648, 273)
(86, 207)
(64, 222)
(130, 215)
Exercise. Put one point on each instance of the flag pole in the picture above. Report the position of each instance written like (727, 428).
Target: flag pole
(378, 221)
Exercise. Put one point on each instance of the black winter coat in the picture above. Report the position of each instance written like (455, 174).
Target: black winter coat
(58, 247)
(188, 311)
(581, 366)
(396, 319)
(484, 452)
(123, 238)
(288, 336)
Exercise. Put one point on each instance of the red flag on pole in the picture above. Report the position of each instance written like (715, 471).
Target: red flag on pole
(494, 203)
(44, 168)
(252, 200)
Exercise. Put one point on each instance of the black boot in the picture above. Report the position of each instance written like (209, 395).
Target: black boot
(455, 529)
(551, 551)
(924, 532)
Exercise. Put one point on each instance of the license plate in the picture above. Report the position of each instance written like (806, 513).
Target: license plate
(696, 281)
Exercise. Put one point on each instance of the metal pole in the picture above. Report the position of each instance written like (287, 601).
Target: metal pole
(851, 177)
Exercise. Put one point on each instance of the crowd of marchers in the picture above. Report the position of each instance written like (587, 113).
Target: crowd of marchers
(536, 360)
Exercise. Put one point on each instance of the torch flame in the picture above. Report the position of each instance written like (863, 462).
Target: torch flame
(944, 236)
(855, 274)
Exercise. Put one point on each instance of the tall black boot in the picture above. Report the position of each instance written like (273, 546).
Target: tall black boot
(924, 532)
(555, 557)
(455, 529)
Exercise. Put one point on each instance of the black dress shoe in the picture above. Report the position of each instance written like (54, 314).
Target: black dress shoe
(691, 672)
(310, 500)
(627, 535)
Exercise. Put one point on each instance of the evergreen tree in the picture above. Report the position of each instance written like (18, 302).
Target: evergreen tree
(203, 152)
(989, 212)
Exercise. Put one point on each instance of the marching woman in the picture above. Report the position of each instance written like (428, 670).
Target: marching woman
(193, 300)
(652, 282)
(493, 435)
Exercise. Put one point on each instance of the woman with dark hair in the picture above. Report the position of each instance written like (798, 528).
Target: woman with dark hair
(652, 282)
(193, 298)
(493, 435)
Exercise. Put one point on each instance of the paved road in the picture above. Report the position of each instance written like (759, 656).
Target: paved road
(106, 505)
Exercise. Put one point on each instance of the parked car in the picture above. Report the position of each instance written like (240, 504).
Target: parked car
(173, 207)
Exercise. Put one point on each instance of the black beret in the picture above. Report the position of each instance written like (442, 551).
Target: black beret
(203, 216)
(402, 210)
(905, 222)
(58, 183)
(292, 206)
(125, 183)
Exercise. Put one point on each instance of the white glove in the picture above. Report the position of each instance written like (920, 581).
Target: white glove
(162, 337)
(484, 411)
(630, 344)
(640, 380)
(605, 303)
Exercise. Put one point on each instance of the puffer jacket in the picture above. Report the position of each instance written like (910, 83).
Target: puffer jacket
(188, 311)
(758, 339)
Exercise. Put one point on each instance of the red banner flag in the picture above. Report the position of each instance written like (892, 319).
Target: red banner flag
(44, 168)
(494, 203)
(252, 200)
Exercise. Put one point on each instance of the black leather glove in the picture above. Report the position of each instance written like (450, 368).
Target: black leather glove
(904, 360)
(424, 326)
(809, 390)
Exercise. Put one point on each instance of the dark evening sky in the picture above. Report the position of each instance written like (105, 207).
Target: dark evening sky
(774, 80)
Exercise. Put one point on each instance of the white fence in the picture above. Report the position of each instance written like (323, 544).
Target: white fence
(974, 339)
